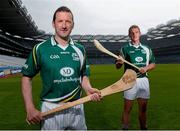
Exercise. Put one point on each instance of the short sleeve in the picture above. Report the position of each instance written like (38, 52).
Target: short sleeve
(152, 58)
(86, 68)
(31, 66)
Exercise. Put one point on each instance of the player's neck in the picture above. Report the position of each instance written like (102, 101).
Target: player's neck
(136, 43)
(61, 41)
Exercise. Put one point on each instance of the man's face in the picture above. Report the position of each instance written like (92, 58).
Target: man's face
(135, 35)
(63, 24)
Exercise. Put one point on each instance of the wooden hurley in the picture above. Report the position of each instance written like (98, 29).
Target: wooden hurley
(125, 83)
(102, 49)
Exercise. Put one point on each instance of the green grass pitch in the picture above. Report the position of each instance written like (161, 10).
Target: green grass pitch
(163, 106)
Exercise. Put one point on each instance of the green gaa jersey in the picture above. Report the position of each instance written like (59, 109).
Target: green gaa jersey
(140, 56)
(61, 69)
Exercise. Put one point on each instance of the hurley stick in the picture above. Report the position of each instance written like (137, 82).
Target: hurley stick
(125, 83)
(102, 49)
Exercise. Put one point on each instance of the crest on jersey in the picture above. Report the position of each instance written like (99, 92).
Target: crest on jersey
(66, 71)
(139, 59)
(75, 56)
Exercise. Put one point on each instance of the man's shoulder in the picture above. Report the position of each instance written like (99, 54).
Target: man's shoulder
(43, 44)
(145, 45)
(126, 45)
(79, 45)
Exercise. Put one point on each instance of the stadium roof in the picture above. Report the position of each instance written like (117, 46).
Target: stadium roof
(101, 38)
(170, 29)
(15, 20)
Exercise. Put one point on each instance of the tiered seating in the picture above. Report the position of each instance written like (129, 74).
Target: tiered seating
(97, 57)
(11, 61)
(162, 48)
(10, 65)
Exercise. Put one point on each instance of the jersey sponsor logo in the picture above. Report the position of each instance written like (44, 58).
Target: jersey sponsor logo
(54, 57)
(139, 59)
(75, 56)
(67, 71)
(64, 80)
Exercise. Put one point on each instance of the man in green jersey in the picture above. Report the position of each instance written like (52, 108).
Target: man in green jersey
(63, 68)
(141, 56)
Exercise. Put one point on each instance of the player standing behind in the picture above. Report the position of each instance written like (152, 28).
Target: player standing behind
(141, 56)
(64, 70)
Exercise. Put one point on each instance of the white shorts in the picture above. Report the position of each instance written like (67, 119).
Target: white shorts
(139, 90)
(70, 119)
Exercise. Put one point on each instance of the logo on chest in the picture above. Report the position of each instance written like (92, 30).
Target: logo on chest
(67, 71)
(54, 56)
(75, 56)
(139, 59)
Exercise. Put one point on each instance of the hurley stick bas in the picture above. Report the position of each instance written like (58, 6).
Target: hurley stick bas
(126, 82)
(104, 50)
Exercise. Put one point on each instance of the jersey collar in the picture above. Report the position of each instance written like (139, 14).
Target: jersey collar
(136, 46)
(53, 41)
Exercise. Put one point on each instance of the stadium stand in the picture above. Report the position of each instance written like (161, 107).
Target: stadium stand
(10, 60)
(10, 65)
(167, 50)
(19, 33)
(16, 20)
